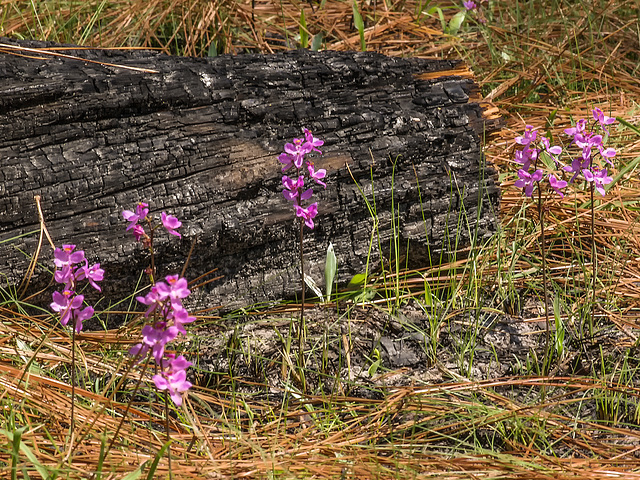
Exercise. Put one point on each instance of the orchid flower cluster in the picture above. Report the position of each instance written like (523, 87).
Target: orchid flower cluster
(164, 302)
(590, 145)
(71, 268)
(169, 222)
(471, 5)
(475, 6)
(294, 191)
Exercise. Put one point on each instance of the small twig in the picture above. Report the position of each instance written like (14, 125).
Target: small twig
(34, 260)
(72, 57)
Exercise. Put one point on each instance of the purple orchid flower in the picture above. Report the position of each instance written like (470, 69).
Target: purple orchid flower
(171, 223)
(312, 141)
(92, 274)
(555, 150)
(292, 192)
(308, 214)
(175, 289)
(65, 303)
(67, 256)
(599, 178)
(141, 212)
(175, 379)
(602, 119)
(529, 136)
(317, 175)
(527, 180)
(557, 185)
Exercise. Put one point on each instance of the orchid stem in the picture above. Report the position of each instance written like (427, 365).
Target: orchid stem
(301, 333)
(544, 280)
(73, 379)
(167, 426)
(594, 258)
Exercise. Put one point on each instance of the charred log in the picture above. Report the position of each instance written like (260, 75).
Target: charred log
(199, 138)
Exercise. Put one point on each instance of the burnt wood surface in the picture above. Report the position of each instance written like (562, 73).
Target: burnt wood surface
(200, 139)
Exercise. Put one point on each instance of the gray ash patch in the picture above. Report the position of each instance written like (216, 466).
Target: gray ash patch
(354, 349)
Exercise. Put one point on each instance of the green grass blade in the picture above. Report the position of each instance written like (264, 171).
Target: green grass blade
(103, 447)
(633, 163)
(19, 236)
(630, 126)
(304, 33)
(14, 438)
(17, 446)
(41, 469)
(438, 10)
(359, 23)
(89, 30)
(156, 461)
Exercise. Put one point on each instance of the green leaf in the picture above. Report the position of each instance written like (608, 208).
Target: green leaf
(330, 267)
(213, 49)
(456, 22)
(365, 295)
(359, 23)
(304, 33)
(548, 161)
(428, 299)
(357, 280)
(376, 363)
(373, 369)
(550, 120)
(316, 42)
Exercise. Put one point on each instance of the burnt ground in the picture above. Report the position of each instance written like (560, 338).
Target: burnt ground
(362, 350)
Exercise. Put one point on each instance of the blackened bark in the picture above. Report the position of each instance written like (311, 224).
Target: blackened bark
(200, 138)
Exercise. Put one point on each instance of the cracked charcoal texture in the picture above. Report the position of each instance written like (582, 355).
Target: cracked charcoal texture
(200, 140)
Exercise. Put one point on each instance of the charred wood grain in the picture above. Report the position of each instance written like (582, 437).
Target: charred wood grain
(200, 138)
